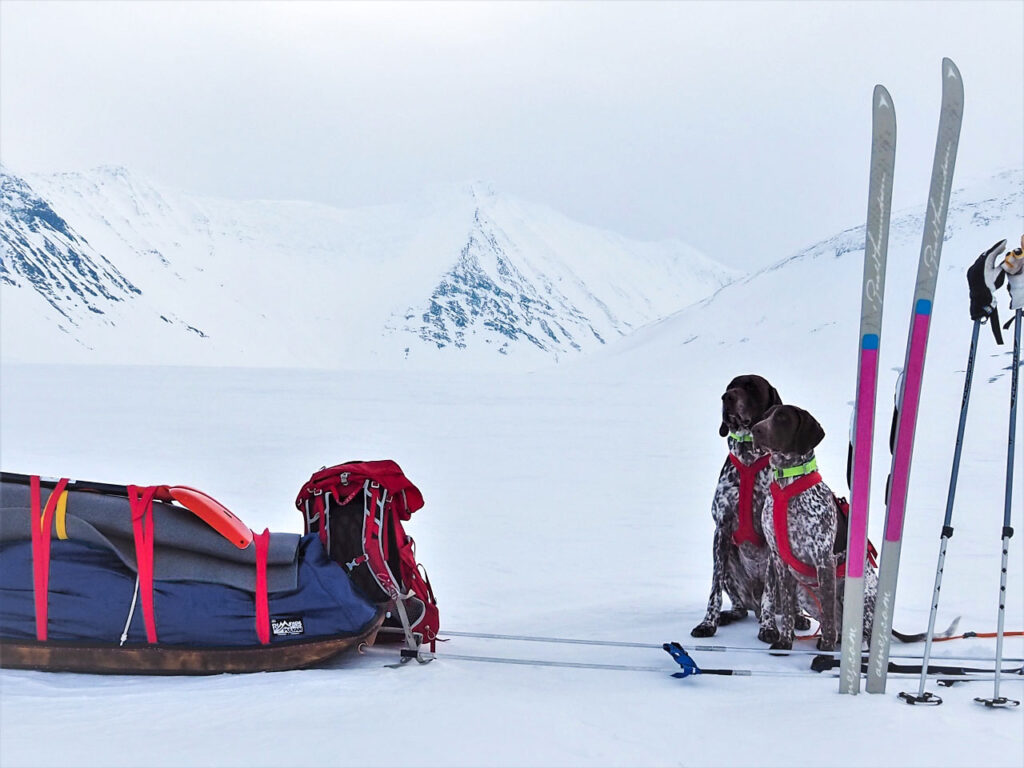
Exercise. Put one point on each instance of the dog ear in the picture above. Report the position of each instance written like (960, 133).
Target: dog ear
(808, 432)
(723, 430)
(766, 393)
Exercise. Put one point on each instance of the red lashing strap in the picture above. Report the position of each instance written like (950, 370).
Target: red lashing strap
(41, 523)
(745, 530)
(780, 520)
(141, 500)
(262, 542)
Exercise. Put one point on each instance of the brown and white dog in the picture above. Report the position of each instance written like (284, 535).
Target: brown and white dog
(806, 542)
(740, 556)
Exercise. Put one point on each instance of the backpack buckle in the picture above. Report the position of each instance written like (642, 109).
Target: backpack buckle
(355, 562)
(343, 477)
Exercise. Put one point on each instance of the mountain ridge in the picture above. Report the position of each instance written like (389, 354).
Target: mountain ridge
(459, 277)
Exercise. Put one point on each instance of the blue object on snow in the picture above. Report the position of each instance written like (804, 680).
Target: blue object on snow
(683, 659)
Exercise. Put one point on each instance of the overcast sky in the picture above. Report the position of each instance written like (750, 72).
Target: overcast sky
(741, 128)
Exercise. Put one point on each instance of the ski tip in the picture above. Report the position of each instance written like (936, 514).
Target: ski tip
(882, 97)
(952, 85)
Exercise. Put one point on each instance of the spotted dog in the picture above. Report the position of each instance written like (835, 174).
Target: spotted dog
(806, 539)
(740, 557)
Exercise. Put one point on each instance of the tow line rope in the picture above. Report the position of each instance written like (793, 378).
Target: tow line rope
(689, 667)
(728, 648)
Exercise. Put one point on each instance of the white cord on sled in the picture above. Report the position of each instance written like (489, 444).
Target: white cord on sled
(127, 624)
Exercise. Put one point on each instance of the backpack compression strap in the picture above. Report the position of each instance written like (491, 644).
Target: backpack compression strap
(375, 537)
(745, 530)
(780, 521)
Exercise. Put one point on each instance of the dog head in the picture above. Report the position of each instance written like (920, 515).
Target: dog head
(787, 429)
(745, 402)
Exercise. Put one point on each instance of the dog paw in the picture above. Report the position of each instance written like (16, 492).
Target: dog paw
(782, 645)
(704, 629)
(768, 635)
(801, 622)
(734, 614)
(826, 645)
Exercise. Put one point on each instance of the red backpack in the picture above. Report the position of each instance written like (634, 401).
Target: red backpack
(358, 508)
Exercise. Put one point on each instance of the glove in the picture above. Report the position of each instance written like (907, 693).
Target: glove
(984, 277)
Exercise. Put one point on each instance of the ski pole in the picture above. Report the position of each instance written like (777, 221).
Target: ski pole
(997, 700)
(947, 529)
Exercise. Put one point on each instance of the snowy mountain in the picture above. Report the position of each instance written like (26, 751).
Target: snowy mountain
(794, 314)
(106, 267)
(44, 253)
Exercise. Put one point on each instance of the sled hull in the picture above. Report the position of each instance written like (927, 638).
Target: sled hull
(110, 659)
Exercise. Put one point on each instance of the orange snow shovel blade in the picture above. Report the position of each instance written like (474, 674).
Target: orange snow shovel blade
(213, 513)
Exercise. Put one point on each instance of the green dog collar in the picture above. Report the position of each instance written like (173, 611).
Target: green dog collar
(798, 471)
(747, 438)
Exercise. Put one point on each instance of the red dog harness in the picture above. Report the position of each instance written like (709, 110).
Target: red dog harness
(780, 520)
(745, 530)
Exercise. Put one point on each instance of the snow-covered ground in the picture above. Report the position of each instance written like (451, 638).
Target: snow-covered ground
(557, 504)
(573, 501)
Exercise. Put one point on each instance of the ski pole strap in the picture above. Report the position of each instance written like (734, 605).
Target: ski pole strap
(804, 469)
(994, 325)
(141, 501)
(262, 542)
(745, 530)
(41, 523)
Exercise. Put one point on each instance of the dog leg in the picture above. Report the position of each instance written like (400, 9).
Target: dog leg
(709, 625)
(768, 632)
(870, 592)
(827, 595)
(785, 586)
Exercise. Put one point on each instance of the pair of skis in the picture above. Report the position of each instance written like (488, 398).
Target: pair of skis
(946, 674)
(883, 155)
